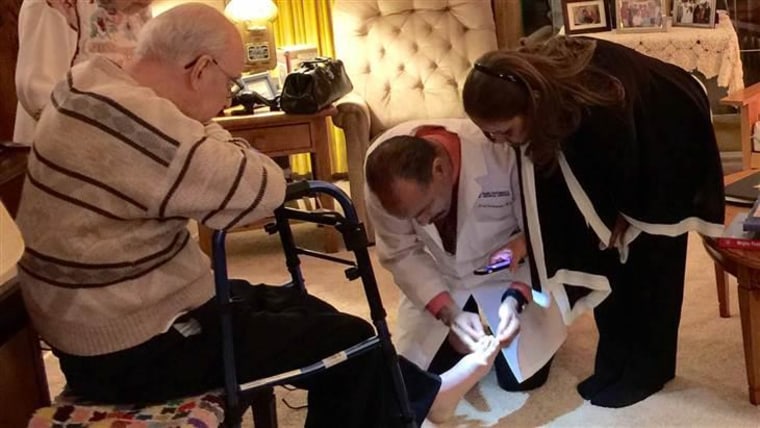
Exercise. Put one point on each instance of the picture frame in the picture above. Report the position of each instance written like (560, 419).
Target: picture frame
(586, 16)
(261, 83)
(694, 13)
(640, 15)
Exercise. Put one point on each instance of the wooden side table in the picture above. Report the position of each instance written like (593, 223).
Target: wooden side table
(280, 134)
(714, 52)
(745, 266)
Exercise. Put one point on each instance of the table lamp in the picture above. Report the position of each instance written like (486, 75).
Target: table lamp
(253, 18)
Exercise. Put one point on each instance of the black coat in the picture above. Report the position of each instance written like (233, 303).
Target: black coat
(655, 160)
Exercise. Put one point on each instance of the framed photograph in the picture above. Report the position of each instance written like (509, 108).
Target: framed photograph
(262, 83)
(585, 16)
(694, 13)
(640, 15)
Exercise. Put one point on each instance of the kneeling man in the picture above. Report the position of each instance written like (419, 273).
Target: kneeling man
(440, 209)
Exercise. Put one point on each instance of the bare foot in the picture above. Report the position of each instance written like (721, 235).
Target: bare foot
(462, 377)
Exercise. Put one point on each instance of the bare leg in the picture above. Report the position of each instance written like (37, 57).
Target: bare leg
(464, 375)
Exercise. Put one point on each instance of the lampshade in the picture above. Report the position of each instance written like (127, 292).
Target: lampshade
(256, 11)
(253, 19)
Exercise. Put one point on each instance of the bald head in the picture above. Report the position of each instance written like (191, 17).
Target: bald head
(189, 55)
(186, 31)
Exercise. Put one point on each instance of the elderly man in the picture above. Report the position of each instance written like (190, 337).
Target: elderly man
(122, 158)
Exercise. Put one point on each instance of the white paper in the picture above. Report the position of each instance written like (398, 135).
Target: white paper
(542, 332)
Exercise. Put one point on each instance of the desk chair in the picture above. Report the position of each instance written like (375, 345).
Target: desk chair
(259, 392)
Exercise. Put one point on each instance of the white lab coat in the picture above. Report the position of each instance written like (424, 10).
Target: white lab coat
(489, 213)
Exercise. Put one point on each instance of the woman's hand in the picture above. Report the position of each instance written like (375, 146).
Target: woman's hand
(517, 249)
(618, 232)
(509, 323)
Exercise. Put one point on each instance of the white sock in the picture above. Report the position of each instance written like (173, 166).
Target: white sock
(462, 377)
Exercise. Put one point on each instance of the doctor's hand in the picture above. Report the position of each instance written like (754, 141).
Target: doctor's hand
(465, 325)
(517, 248)
(509, 323)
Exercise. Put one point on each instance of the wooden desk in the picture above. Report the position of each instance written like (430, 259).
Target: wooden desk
(745, 266)
(279, 134)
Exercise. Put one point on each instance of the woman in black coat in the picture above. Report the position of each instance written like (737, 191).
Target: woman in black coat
(618, 160)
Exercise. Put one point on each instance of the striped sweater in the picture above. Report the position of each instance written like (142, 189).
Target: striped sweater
(114, 175)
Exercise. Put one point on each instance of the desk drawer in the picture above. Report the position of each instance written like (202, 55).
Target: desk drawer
(278, 139)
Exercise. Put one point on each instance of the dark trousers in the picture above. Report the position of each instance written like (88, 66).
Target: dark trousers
(276, 329)
(638, 322)
(446, 357)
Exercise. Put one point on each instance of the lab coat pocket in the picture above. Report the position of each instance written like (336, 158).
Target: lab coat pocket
(494, 205)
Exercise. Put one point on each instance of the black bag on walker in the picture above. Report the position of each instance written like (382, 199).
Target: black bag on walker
(314, 86)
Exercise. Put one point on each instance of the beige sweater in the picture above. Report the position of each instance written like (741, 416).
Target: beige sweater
(115, 173)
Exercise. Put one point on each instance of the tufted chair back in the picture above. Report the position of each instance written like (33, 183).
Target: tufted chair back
(407, 60)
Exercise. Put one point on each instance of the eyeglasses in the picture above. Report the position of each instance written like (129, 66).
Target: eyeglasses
(235, 83)
(493, 136)
(502, 136)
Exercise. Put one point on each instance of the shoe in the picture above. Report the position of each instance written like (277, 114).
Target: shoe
(623, 394)
(595, 383)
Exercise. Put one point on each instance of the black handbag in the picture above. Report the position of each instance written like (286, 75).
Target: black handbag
(314, 85)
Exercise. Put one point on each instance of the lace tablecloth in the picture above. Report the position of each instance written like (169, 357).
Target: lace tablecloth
(711, 51)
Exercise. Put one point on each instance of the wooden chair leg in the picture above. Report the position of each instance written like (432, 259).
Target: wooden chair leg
(264, 408)
(749, 309)
(721, 282)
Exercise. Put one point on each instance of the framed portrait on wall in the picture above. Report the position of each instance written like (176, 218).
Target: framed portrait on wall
(640, 15)
(585, 16)
(694, 13)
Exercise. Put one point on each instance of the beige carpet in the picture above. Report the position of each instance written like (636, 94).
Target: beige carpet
(710, 389)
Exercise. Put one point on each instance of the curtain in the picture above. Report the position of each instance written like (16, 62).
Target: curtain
(310, 22)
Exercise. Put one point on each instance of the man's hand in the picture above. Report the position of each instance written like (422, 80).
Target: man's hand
(516, 248)
(465, 325)
(509, 323)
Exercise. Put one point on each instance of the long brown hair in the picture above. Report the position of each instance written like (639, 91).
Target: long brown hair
(550, 83)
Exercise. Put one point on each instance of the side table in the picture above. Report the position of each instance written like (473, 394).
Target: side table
(714, 52)
(745, 266)
(279, 134)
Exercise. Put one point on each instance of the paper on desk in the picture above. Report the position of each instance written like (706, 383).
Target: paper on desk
(542, 332)
(11, 245)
